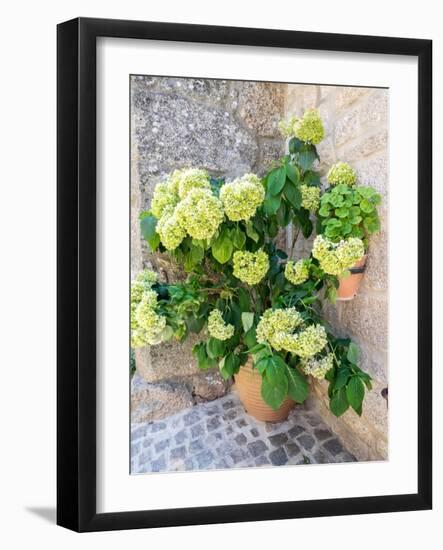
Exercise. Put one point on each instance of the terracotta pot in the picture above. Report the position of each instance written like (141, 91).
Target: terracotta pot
(248, 383)
(349, 285)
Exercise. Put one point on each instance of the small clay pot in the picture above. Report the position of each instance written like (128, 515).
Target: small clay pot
(349, 285)
(248, 383)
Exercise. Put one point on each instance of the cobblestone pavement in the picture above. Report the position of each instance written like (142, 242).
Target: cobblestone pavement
(219, 434)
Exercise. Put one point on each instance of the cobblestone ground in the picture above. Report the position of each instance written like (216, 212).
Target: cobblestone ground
(219, 435)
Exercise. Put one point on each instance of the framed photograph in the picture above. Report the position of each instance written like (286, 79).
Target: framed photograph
(244, 274)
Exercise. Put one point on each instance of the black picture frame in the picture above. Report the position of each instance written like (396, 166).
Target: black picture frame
(76, 280)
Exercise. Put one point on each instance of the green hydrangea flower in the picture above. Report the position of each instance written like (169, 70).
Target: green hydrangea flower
(218, 328)
(310, 197)
(306, 343)
(146, 324)
(335, 258)
(283, 329)
(297, 273)
(170, 230)
(277, 322)
(318, 367)
(199, 214)
(286, 127)
(242, 197)
(163, 199)
(309, 128)
(181, 182)
(250, 267)
(341, 172)
(147, 277)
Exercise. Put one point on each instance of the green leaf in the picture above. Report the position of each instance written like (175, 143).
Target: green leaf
(271, 205)
(215, 348)
(148, 229)
(306, 158)
(229, 365)
(324, 211)
(250, 339)
(366, 206)
(274, 388)
(243, 299)
(353, 353)
(272, 228)
(342, 212)
(339, 403)
(293, 194)
(203, 361)
(355, 392)
(295, 145)
(247, 319)
(283, 214)
(293, 173)
(276, 180)
(256, 348)
(251, 232)
(262, 364)
(222, 248)
(372, 224)
(192, 257)
(341, 378)
(238, 238)
(298, 387)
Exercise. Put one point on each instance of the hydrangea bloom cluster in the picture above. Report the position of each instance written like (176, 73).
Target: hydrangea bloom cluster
(170, 230)
(318, 367)
(242, 197)
(184, 204)
(181, 182)
(163, 199)
(250, 267)
(218, 328)
(335, 258)
(309, 128)
(310, 197)
(341, 172)
(286, 127)
(297, 273)
(200, 213)
(275, 322)
(146, 324)
(277, 327)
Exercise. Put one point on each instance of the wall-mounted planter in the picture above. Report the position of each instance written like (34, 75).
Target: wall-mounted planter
(248, 383)
(349, 285)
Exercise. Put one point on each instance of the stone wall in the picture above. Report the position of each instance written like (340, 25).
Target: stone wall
(356, 121)
(227, 127)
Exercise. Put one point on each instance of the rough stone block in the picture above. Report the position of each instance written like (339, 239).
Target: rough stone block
(208, 385)
(373, 171)
(346, 127)
(167, 361)
(376, 273)
(375, 109)
(366, 316)
(154, 401)
(270, 151)
(345, 96)
(327, 152)
(174, 131)
(301, 97)
(365, 146)
(278, 457)
(261, 106)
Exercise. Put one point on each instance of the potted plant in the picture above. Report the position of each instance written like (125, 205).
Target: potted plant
(347, 215)
(255, 309)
